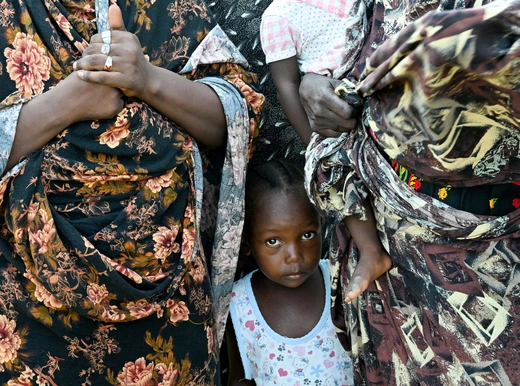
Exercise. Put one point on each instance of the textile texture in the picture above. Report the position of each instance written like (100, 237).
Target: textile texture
(442, 99)
(314, 32)
(106, 234)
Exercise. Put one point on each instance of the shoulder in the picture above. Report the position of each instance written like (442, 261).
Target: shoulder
(281, 9)
(240, 287)
(324, 265)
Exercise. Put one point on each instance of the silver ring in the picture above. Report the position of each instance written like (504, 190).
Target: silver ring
(106, 36)
(108, 64)
(105, 49)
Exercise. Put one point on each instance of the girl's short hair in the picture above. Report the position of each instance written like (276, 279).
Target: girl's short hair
(275, 174)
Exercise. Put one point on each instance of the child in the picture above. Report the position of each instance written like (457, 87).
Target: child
(309, 36)
(281, 331)
(306, 36)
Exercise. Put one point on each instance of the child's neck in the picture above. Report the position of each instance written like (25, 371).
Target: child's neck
(291, 312)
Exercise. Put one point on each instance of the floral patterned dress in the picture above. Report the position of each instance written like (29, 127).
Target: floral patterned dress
(118, 239)
(442, 92)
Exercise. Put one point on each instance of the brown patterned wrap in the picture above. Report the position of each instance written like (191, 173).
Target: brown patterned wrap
(441, 98)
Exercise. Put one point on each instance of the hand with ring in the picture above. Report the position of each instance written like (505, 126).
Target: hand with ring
(115, 58)
(105, 49)
(107, 40)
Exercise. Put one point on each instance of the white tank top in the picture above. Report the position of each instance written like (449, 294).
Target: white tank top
(272, 359)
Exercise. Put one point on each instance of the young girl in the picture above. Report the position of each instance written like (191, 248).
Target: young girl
(303, 36)
(281, 331)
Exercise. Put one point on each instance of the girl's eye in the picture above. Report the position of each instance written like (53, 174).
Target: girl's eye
(308, 235)
(272, 242)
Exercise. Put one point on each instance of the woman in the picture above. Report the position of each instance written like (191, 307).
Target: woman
(107, 273)
(436, 149)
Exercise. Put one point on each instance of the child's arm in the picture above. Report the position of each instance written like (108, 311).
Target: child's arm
(236, 370)
(373, 259)
(286, 78)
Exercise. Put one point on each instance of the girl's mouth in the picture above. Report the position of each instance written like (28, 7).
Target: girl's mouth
(295, 275)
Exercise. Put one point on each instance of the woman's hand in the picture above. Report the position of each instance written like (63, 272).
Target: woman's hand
(130, 71)
(328, 114)
(172, 95)
(85, 101)
(175, 97)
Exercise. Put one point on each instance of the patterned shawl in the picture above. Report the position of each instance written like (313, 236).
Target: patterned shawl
(114, 220)
(443, 101)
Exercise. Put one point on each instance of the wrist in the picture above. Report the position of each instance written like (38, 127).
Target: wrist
(36, 110)
(153, 85)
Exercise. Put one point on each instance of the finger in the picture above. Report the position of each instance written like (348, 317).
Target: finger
(95, 62)
(96, 69)
(347, 127)
(115, 18)
(100, 77)
(342, 118)
(328, 133)
(332, 125)
(97, 46)
(348, 124)
(388, 56)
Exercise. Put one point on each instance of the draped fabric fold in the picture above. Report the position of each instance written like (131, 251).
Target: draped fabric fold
(442, 100)
(107, 232)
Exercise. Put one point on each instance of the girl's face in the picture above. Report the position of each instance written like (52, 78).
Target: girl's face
(285, 237)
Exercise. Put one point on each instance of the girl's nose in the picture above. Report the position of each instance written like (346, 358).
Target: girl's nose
(294, 252)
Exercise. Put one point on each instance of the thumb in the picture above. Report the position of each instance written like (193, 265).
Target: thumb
(115, 18)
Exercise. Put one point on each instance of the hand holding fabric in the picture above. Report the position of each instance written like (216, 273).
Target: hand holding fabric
(444, 95)
(130, 72)
(97, 101)
(329, 115)
(441, 40)
(172, 95)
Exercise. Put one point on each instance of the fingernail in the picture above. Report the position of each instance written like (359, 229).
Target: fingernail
(80, 74)
(74, 65)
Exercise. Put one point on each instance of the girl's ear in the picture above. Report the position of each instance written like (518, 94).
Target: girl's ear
(244, 247)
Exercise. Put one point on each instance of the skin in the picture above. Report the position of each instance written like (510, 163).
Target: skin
(100, 94)
(329, 115)
(285, 241)
(286, 78)
(331, 120)
(97, 101)
(373, 259)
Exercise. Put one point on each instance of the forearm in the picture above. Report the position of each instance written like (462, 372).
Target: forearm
(286, 78)
(193, 106)
(46, 115)
(236, 371)
(290, 100)
(36, 126)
